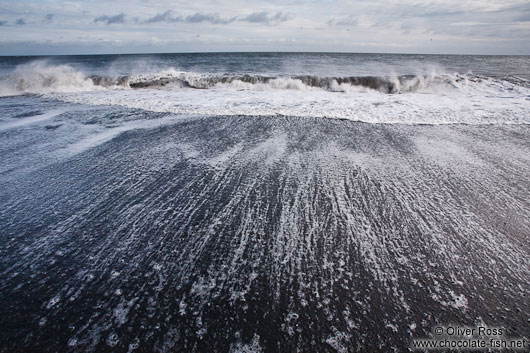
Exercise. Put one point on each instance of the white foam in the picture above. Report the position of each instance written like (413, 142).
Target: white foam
(251, 347)
(107, 134)
(280, 83)
(30, 120)
(459, 301)
(469, 102)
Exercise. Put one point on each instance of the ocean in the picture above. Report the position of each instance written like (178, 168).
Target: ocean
(261, 202)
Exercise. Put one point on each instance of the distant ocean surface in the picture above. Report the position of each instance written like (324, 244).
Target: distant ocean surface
(261, 202)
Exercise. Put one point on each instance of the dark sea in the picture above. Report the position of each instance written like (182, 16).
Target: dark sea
(261, 202)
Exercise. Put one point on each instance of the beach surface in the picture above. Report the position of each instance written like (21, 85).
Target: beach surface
(163, 232)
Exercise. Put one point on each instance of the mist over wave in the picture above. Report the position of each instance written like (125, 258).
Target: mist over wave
(40, 77)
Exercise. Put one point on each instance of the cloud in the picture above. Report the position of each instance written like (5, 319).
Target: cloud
(346, 21)
(266, 17)
(168, 17)
(48, 18)
(522, 12)
(523, 18)
(455, 26)
(214, 18)
(164, 17)
(108, 20)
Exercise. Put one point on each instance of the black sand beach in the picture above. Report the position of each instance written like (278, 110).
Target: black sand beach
(278, 234)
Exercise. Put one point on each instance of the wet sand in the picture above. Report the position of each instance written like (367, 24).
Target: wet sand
(267, 234)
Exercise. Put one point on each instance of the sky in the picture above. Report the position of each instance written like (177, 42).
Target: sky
(45, 27)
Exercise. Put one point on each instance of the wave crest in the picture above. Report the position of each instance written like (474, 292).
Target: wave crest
(389, 85)
(39, 77)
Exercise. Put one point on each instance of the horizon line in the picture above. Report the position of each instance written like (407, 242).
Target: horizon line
(257, 52)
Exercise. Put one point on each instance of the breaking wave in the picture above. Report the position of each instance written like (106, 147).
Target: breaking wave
(389, 85)
(41, 78)
(452, 98)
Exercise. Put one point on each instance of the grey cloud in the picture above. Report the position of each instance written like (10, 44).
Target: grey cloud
(266, 17)
(447, 14)
(407, 26)
(195, 18)
(164, 17)
(3, 22)
(215, 19)
(108, 20)
(442, 13)
(436, 18)
(20, 21)
(48, 18)
(522, 11)
(477, 23)
(429, 10)
(347, 21)
(523, 18)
